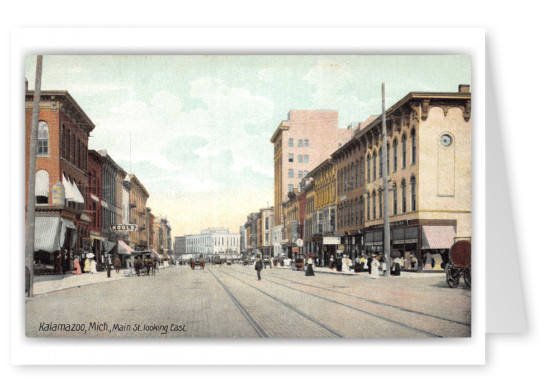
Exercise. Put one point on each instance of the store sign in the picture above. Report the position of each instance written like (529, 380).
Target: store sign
(405, 241)
(331, 240)
(124, 227)
(58, 194)
(300, 242)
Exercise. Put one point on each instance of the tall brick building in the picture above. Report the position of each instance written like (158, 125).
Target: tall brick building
(61, 175)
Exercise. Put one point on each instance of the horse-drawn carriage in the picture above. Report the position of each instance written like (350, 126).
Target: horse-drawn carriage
(459, 264)
(298, 264)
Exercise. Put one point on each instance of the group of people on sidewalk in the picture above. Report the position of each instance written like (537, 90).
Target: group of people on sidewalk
(370, 265)
(90, 265)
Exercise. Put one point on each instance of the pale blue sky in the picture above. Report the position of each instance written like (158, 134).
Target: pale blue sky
(201, 125)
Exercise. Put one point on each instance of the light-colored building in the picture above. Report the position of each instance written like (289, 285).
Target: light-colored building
(211, 242)
(301, 143)
(430, 178)
(138, 213)
(266, 225)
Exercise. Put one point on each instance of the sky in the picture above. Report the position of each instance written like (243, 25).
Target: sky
(196, 129)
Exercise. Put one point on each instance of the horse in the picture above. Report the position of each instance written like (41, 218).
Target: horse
(138, 264)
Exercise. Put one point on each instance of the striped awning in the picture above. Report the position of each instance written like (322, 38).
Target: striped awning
(46, 233)
(155, 254)
(438, 237)
(124, 249)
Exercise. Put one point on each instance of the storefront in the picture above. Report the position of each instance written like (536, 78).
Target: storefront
(421, 246)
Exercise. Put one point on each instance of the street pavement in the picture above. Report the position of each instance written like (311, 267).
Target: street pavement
(229, 301)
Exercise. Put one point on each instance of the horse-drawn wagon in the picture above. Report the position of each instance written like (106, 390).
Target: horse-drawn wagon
(459, 264)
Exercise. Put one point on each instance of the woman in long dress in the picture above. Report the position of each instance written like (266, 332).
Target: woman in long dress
(87, 265)
(76, 266)
(375, 268)
(93, 268)
(309, 268)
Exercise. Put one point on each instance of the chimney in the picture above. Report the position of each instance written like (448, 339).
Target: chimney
(464, 88)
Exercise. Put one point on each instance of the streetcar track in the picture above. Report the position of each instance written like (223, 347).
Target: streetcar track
(371, 301)
(310, 318)
(345, 305)
(260, 331)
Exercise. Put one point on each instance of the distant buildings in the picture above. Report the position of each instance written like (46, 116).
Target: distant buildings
(209, 243)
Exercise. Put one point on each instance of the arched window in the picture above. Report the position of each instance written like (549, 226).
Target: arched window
(368, 168)
(395, 199)
(395, 155)
(387, 158)
(404, 207)
(356, 175)
(375, 165)
(413, 194)
(42, 187)
(73, 149)
(42, 141)
(380, 204)
(413, 147)
(63, 141)
(362, 171)
(404, 147)
(368, 205)
(381, 162)
(374, 204)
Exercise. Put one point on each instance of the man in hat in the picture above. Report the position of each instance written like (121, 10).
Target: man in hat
(258, 266)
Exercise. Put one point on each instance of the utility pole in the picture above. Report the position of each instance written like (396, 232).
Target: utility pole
(31, 197)
(385, 190)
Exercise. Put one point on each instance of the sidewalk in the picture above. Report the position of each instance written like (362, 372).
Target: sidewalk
(46, 284)
(403, 274)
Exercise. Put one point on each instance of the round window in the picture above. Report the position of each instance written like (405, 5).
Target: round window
(446, 140)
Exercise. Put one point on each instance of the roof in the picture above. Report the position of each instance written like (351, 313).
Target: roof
(326, 163)
(109, 159)
(284, 125)
(86, 122)
(135, 179)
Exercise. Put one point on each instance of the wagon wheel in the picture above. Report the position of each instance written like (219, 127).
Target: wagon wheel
(467, 277)
(452, 276)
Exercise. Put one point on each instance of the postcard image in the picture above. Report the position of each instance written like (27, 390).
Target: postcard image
(248, 196)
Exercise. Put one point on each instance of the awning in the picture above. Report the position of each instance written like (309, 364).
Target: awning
(108, 246)
(124, 249)
(438, 237)
(46, 233)
(78, 198)
(155, 254)
(65, 224)
(69, 195)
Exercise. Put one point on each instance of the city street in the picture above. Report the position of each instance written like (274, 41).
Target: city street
(229, 301)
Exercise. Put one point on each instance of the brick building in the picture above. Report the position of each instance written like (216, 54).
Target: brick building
(62, 222)
(94, 200)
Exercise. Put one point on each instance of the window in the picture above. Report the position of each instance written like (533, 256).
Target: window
(404, 147)
(42, 141)
(413, 194)
(404, 196)
(300, 174)
(361, 171)
(306, 159)
(291, 173)
(368, 207)
(305, 173)
(380, 162)
(368, 168)
(267, 223)
(395, 155)
(375, 165)
(374, 205)
(380, 204)
(63, 143)
(300, 158)
(290, 188)
(290, 142)
(266, 239)
(291, 158)
(413, 147)
(387, 158)
(42, 187)
(300, 143)
(395, 199)
(306, 144)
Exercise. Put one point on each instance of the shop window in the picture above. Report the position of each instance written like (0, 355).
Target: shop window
(42, 141)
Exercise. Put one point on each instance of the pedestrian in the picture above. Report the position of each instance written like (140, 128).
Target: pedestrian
(57, 262)
(117, 264)
(93, 269)
(345, 264)
(76, 267)
(309, 268)
(258, 266)
(331, 263)
(375, 268)
(87, 265)
(362, 263)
